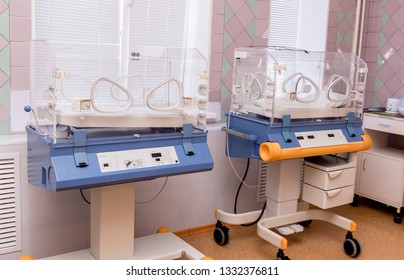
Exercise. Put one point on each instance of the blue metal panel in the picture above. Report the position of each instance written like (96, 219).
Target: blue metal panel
(264, 131)
(53, 166)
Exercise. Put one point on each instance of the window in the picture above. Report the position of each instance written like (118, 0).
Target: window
(111, 38)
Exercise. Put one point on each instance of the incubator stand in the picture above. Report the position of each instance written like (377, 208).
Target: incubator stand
(103, 120)
(297, 110)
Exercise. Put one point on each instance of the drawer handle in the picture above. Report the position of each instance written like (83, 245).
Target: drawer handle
(334, 174)
(384, 124)
(333, 192)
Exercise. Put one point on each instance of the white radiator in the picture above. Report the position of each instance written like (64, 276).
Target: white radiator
(10, 208)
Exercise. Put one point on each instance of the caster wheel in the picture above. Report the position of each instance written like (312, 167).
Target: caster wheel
(352, 247)
(397, 218)
(221, 234)
(355, 201)
(281, 255)
(305, 223)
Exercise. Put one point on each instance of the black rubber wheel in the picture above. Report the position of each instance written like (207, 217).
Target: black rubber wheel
(305, 223)
(281, 255)
(398, 218)
(355, 201)
(352, 247)
(221, 234)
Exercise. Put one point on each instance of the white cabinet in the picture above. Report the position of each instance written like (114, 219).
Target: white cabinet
(381, 169)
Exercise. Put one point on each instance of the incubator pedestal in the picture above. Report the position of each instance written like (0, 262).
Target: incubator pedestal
(283, 213)
(113, 227)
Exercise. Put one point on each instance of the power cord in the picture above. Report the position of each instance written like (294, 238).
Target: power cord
(238, 192)
(82, 195)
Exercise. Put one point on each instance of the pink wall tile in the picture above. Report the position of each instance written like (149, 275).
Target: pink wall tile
(217, 24)
(382, 95)
(261, 26)
(245, 16)
(396, 62)
(389, 29)
(234, 27)
(394, 84)
(20, 29)
(244, 40)
(262, 10)
(385, 72)
(216, 43)
(375, 9)
(332, 35)
(390, 7)
(397, 40)
(218, 7)
(20, 52)
(20, 8)
(333, 19)
(371, 69)
(215, 79)
(333, 6)
(371, 55)
(398, 18)
(259, 41)
(235, 4)
(216, 62)
(20, 78)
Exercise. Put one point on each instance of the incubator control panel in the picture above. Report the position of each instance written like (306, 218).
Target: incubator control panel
(320, 138)
(139, 158)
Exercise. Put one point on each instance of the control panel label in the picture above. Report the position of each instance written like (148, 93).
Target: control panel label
(139, 158)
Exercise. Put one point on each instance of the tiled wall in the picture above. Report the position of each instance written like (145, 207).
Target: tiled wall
(15, 35)
(383, 50)
(5, 68)
(235, 23)
(341, 23)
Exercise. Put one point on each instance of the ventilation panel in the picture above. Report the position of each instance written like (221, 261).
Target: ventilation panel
(10, 212)
(262, 180)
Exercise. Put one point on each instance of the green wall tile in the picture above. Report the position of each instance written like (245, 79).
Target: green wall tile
(251, 29)
(5, 60)
(376, 102)
(384, 18)
(378, 83)
(380, 62)
(5, 24)
(5, 127)
(226, 67)
(252, 4)
(349, 17)
(228, 13)
(382, 40)
(5, 95)
(227, 40)
(225, 92)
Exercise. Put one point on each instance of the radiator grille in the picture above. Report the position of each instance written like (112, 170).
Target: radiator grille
(9, 204)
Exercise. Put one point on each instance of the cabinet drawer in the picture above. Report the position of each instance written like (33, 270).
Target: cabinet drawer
(328, 180)
(383, 124)
(327, 199)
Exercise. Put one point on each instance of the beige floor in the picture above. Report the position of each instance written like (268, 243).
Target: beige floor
(379, 236)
